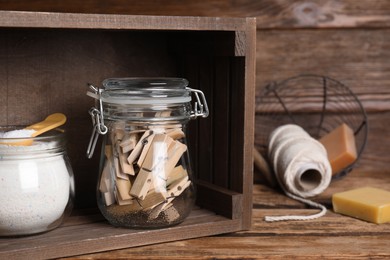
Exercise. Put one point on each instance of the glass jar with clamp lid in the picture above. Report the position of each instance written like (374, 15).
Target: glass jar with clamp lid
(145, 178)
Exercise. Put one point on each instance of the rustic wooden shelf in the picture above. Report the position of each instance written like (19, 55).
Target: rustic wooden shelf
(46, 61)
(88, 232)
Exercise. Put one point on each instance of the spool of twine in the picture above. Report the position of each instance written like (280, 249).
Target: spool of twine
(301, 167)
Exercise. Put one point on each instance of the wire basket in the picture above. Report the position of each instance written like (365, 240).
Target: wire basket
(318, 104)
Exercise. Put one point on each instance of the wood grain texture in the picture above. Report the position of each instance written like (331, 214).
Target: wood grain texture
(260, 247)
(249, 121)
(95, 234)
(269, 13)
(356, 58)
(140, 22)
(221, 123)
(221, 200)
(3, 75)
(332, 237)
(205, 125)
(347, 40)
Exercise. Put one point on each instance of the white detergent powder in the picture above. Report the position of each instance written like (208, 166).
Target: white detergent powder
(33, 191)
(20, 133)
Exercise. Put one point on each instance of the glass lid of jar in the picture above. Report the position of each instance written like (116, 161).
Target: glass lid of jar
(140, 92)
(145, 91)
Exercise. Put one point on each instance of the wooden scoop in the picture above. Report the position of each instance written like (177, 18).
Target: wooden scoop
(50, 122)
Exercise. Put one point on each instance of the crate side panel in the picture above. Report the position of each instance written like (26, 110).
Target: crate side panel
(205, 125)
(221, 131)
(237, 124)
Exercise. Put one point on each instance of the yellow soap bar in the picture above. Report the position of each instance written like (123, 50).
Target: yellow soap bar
(370, 204)
(341, 148)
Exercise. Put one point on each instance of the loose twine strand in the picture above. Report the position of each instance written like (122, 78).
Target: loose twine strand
(299, 217)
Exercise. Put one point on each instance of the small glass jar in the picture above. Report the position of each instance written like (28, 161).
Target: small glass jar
(36, 183)
(145, 178)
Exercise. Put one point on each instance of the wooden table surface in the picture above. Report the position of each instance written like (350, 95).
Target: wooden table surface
(332, 236)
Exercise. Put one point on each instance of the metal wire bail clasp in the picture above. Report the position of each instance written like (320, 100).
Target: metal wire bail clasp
(200, 106)
(97, 123)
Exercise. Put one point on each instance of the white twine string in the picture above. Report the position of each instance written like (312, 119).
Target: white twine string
(292, 153)
(299, 217)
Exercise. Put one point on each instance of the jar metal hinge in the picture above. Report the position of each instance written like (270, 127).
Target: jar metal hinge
(99, 128)
(200, 106)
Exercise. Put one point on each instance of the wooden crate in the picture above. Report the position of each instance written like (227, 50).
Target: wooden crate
(46, 61)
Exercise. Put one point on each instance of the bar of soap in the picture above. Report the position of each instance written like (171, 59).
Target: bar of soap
(341, 148)
(370, 204)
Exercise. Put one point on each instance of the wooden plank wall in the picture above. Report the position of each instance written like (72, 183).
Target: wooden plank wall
(347, 40)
